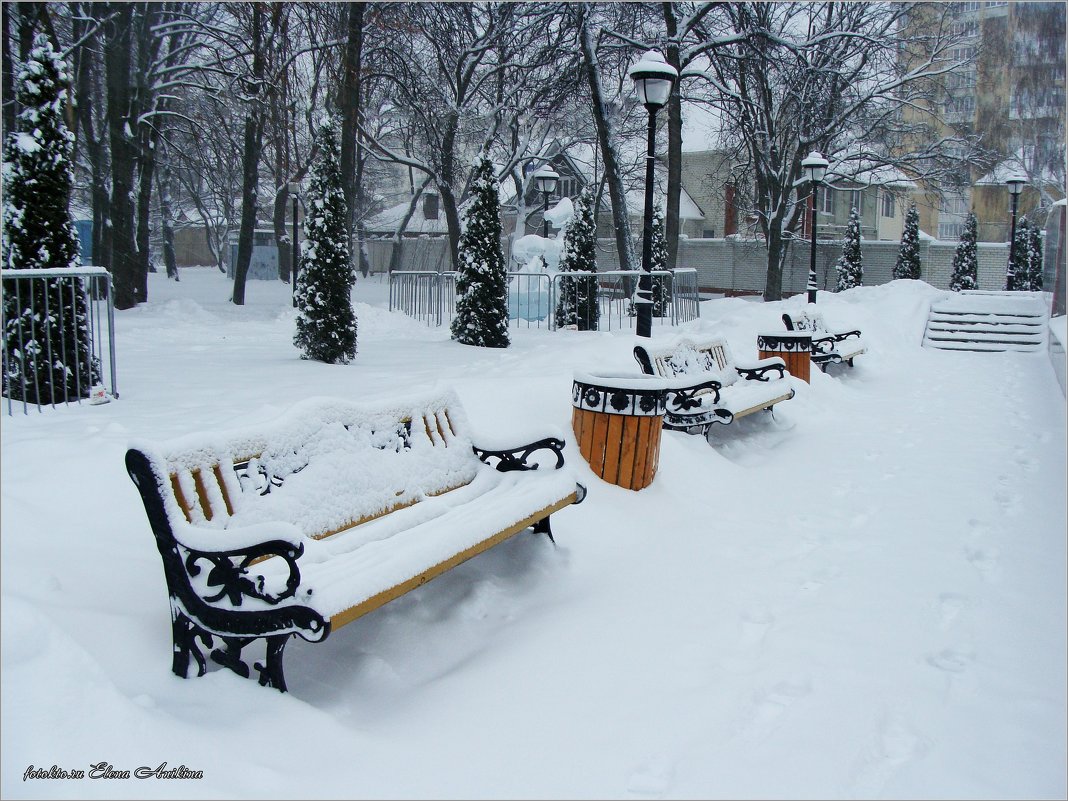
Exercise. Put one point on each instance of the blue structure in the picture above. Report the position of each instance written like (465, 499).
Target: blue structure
(85, 240)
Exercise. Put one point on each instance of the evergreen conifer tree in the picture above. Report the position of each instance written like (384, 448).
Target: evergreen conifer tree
(965, 263)
(908, 258)
(577, 305)
(658, 259)
(1034, 258)
(481, 285)
(1018, 276)
(50, 318)
(850, 264)
(326, 322)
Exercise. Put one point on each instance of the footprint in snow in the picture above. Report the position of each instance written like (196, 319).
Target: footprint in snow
(895, 744)
(985, 560)
(950, 605)
(770, 706)
(756, 624)
(652, 778)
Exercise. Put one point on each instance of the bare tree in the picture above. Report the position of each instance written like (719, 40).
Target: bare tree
(832, 77)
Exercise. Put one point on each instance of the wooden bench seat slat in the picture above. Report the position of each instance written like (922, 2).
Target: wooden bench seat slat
(384, 597)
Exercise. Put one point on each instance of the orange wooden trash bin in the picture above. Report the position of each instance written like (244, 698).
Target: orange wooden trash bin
(793, 347)
(617, 421)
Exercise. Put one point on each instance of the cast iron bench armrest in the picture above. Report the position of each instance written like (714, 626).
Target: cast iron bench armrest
(682, 393)
(759, 371)
(515, 458)
(234, 580)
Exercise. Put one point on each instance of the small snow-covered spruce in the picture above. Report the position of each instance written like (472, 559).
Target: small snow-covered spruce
(50, 319)
(908, 258)
(326, 322)
(658, 259)
(1017, 276)
(1034, 258)
(577, 306)
(481, 284)
(965, 264)
(850, 265)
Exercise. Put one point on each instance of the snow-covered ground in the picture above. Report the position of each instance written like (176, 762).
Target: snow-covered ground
(861, 596)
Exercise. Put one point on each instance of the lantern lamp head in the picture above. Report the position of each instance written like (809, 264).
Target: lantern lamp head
(653, 79)
(815, 167)
(294, 187)
(1016, 184)
(545, 179)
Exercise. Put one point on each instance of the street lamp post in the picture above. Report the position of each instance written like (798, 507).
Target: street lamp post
(1016, 184)
(294, 192)
(545, 181)
(653, 80)
(815, 167)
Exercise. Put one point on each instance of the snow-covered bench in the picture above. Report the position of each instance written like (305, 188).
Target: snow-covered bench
(828, 347)
(302, 525)
(708, 385)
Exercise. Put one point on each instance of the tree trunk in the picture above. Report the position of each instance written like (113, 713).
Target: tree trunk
(144, 199)
(250, 162)
(282, 238)
(446, 184)
(8, 79)
(349, 104)
(620, 219)
(163, 186)
(123, 264)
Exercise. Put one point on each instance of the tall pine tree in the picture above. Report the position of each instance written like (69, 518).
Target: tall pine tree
(481, 284)
(326, 322)
(1018, 276)
(850, 264)
(1034, 259)
(658, 261)
(577, 305)
(965, 262)
(50, 318)
(908, 258)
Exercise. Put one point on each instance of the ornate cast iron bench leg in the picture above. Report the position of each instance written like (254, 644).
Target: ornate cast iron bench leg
(271, 673)
(542, 527)
(185, 633)
(231, 656)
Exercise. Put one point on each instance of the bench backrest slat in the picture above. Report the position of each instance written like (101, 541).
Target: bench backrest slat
(689, 357)
(214, 481)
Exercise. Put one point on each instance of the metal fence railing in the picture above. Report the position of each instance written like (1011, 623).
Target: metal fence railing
(59, 337)
(423, 294)
(535, 298)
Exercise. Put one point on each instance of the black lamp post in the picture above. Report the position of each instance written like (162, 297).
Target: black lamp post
(653, 80)
(1016, 184)
(815, 167)
(545, 181)
(294, 192)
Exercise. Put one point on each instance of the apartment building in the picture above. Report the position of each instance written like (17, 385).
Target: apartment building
(1011, 94)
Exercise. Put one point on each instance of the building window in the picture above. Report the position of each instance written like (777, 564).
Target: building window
(826, 200)
(430, 206)
(888, 205)
(567, 187)
(856, 200)
(950, 230)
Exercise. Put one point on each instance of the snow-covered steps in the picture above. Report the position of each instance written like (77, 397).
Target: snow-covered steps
(987, 321)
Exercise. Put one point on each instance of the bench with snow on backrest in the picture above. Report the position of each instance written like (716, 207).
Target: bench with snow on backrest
(708, 386)
(828, 347)
(302, 525)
